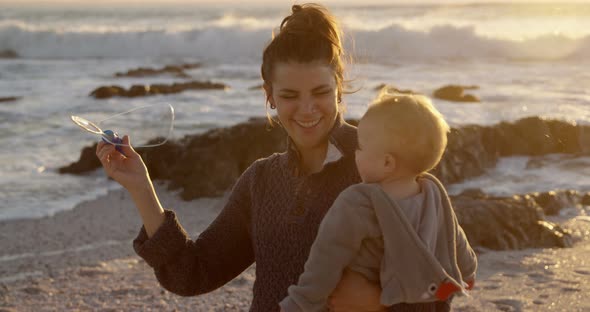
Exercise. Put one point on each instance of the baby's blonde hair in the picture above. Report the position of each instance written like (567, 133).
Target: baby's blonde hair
(414, 131)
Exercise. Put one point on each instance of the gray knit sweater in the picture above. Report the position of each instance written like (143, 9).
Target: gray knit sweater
(271, 217)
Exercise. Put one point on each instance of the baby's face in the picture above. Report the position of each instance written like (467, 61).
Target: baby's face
(370, 155)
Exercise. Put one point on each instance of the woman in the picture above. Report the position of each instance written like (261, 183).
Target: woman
(276, 206)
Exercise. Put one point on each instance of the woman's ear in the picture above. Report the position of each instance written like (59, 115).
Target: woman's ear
(268, 92)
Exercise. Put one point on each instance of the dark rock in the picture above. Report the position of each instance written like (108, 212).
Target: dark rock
(8, 54)
(107, 92)
(553, 201)
(535, 136)
(190, 65)
(455, 93)
(145, 90)
(87, 162)
(502, 223)
(549, 202)
(393, 89)
(212, 162)
(466, 155)
(161, 160)
(586, 199)
(471, 150)
(137, 90)
(584, 139)
(10, 98)
(176, 70)
(470, 98)
(160, 89)
(553, 235)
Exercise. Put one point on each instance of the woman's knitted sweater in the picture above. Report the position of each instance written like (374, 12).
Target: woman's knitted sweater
(271, 218)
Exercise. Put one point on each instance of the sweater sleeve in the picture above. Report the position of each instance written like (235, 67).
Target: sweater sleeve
(466, 258)
(338, 240)
(219, 254)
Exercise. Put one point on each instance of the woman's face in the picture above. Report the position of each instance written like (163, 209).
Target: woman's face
(305, 96)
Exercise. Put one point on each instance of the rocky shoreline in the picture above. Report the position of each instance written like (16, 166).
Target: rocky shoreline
(207, 165)
(471, 150)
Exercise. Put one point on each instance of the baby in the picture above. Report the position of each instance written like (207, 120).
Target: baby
(398, 227)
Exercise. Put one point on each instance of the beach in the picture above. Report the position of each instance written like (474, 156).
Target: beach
(66, 236)
(83, 260)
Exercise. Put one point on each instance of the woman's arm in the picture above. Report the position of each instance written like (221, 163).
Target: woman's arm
(149, 207)
(181, 265)
(218, 255)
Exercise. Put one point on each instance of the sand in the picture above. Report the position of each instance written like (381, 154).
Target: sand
(82, 260)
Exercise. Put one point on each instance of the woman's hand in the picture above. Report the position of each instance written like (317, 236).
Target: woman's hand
(129, 169)
(355, 293)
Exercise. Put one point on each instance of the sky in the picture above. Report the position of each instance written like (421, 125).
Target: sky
(259, 2)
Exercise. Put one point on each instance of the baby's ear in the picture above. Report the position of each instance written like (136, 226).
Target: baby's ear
(390, 163)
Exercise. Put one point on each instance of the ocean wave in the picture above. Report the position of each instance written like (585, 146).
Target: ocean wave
(451, 42)
(239, 44)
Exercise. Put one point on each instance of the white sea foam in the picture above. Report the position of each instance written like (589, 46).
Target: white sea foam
(236, 43)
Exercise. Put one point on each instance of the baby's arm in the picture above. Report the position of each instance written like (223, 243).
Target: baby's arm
(466, 258)
(338, 240)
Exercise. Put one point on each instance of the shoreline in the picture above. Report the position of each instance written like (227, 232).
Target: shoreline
(83, 259)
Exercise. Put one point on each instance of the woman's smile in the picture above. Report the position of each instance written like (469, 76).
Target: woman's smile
(308, 124)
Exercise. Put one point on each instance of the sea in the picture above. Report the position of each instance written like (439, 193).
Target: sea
(528, 59)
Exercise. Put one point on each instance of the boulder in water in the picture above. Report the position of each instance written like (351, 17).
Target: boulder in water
(106, 92)
(10, 98)
(455, 93)
(175, 70)
(8, 54)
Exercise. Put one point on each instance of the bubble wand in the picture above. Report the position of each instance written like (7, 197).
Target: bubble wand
(111, 137)
(107, 136)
